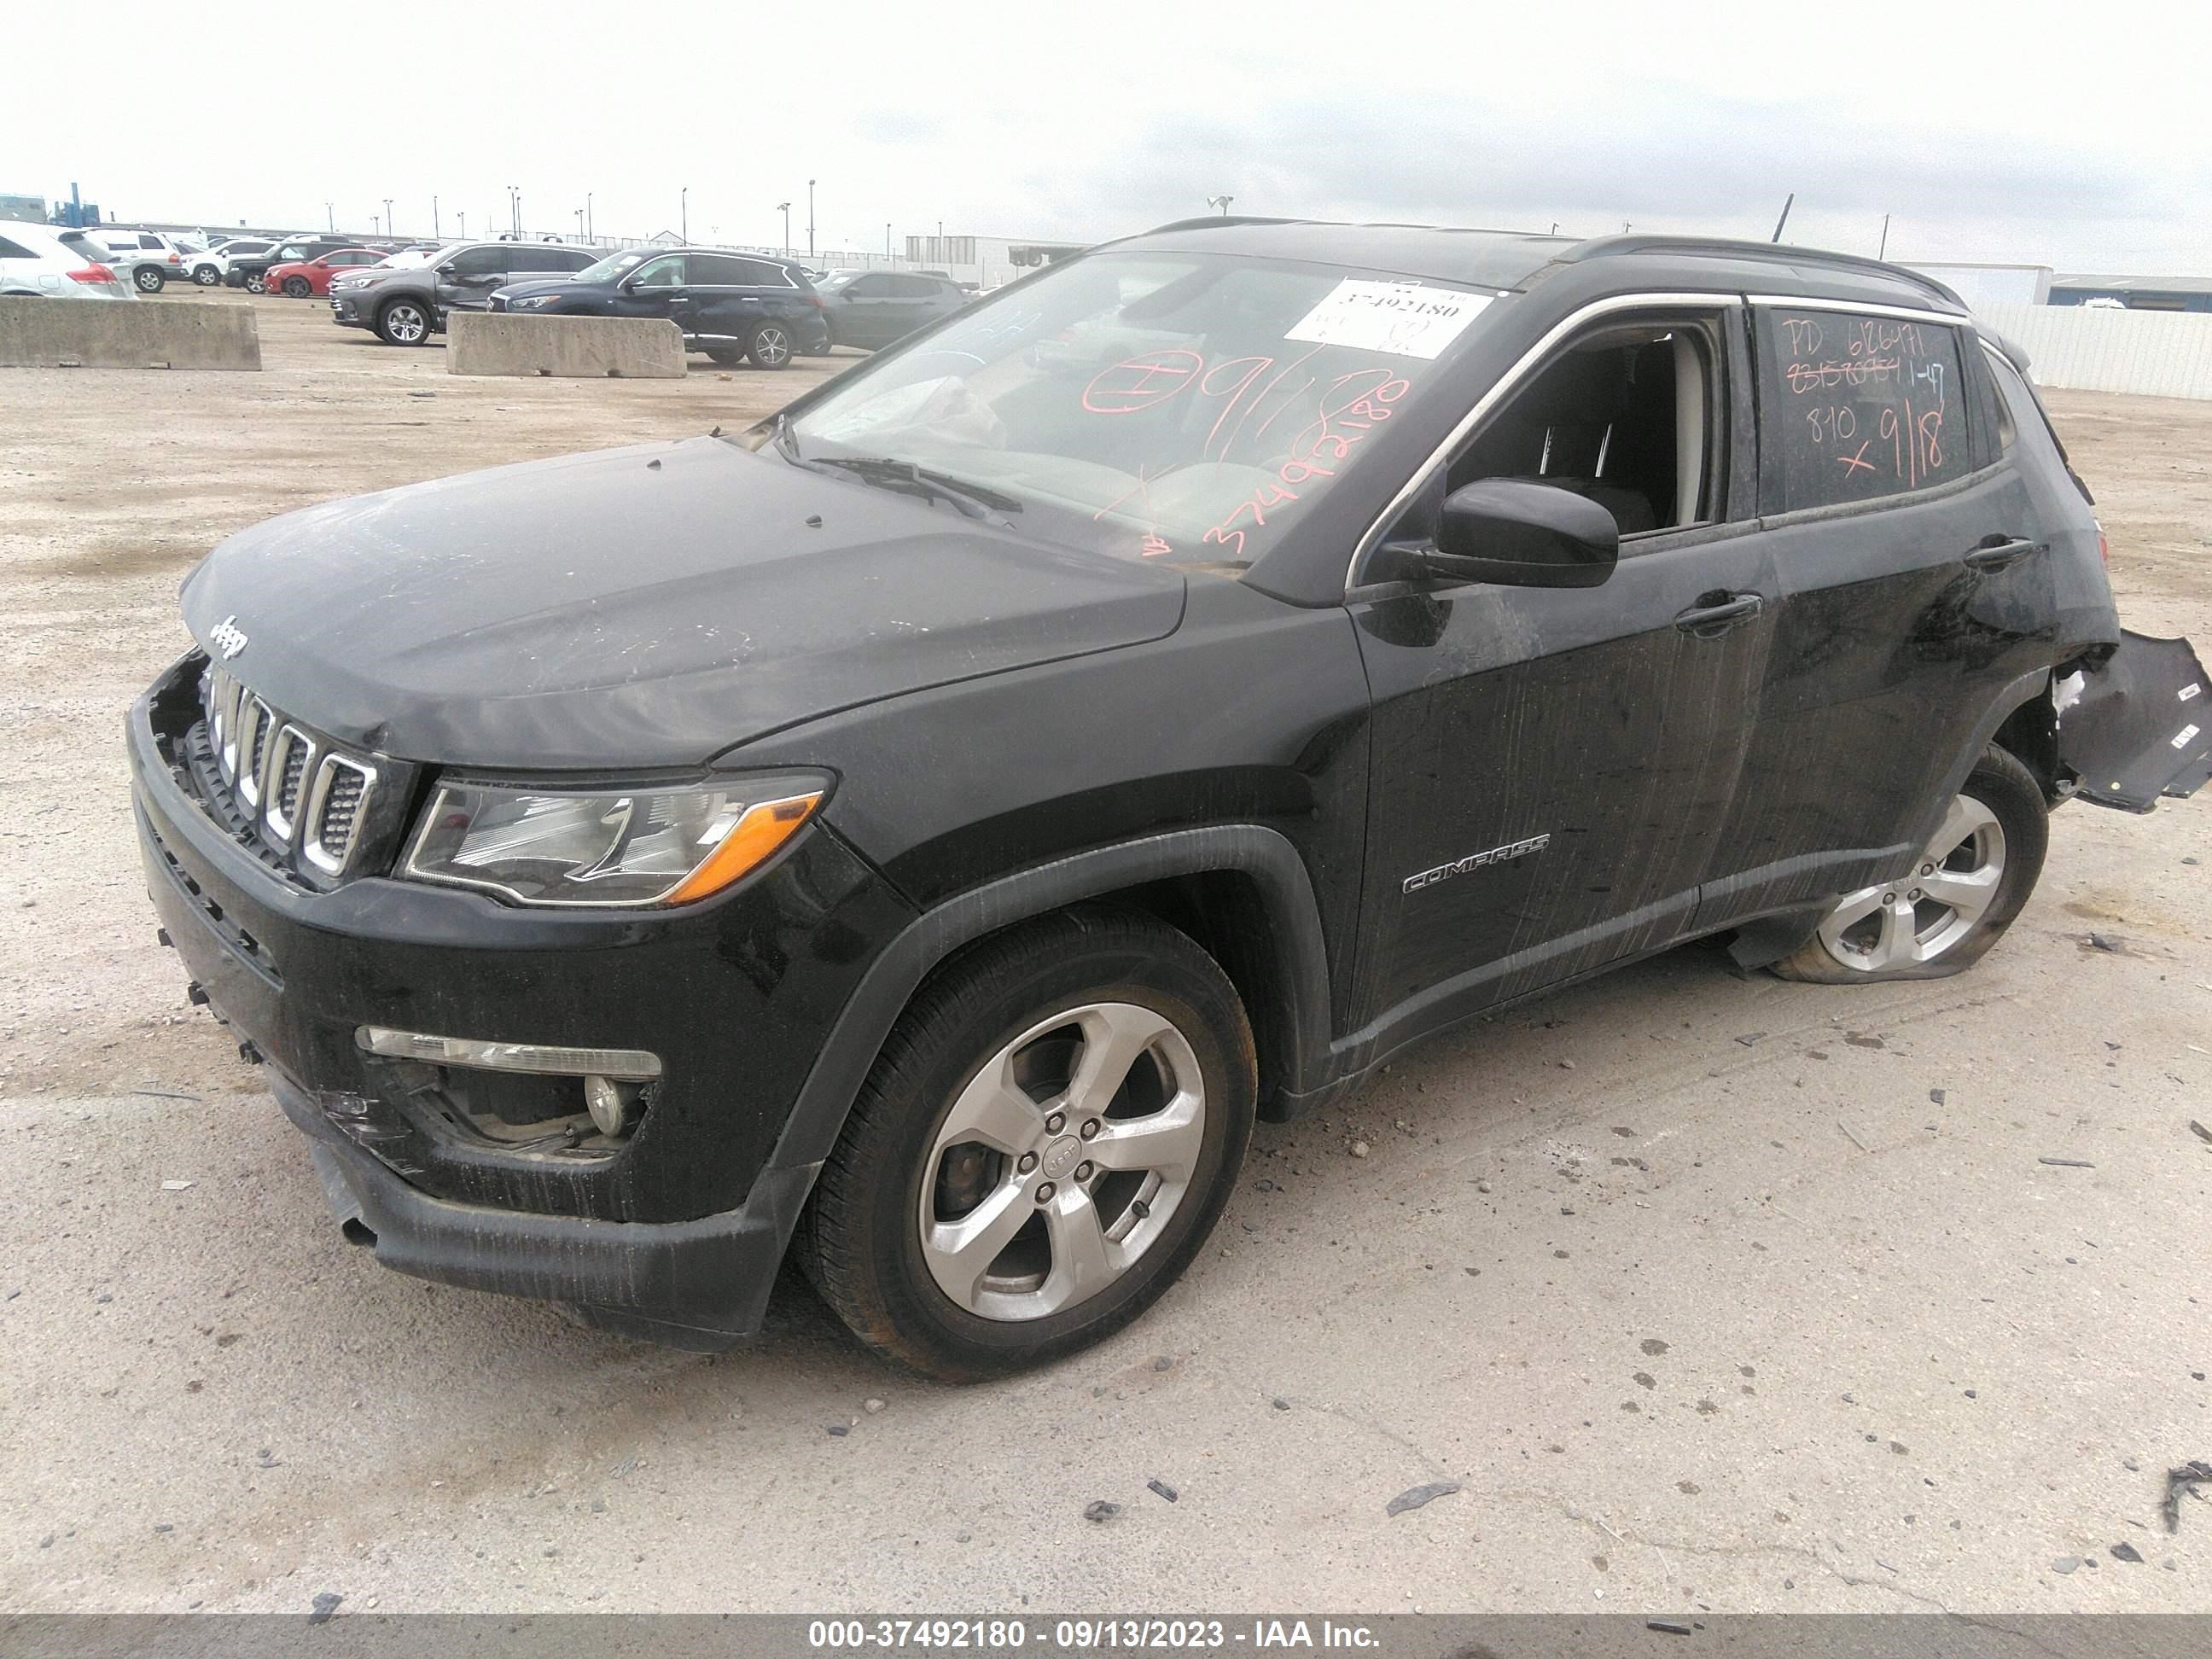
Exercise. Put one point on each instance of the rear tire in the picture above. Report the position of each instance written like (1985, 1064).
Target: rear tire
(1076, 1196)
(770, 347)
(256, 285)
(1960, 895)
(149, 279)
(727, 356)
(297, 288)
(404, 322)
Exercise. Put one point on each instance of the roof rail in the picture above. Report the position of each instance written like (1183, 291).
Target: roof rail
(1600, 246)
(1216, 219)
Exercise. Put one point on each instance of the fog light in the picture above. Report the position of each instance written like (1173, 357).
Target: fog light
(608, 1107)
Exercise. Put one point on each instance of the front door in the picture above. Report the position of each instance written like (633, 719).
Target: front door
(1552, 768)
(657, 289)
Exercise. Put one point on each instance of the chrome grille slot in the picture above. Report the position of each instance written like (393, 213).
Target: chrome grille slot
(254, 720)
(334, 809)
(290, 757)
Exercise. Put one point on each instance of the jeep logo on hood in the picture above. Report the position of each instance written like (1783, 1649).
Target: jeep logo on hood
(228, 637)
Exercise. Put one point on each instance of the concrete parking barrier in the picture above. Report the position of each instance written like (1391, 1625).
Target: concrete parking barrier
(569, 348)
(40, 333)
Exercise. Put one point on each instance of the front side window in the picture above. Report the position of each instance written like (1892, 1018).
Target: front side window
(1632, 415)
(1855, 407)
(1187, 407)
(667, 272)
(479, 262)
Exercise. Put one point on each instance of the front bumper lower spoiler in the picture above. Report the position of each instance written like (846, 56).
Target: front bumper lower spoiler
(700, 1285)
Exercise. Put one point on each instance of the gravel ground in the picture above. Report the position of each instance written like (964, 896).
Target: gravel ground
(1707, 1291)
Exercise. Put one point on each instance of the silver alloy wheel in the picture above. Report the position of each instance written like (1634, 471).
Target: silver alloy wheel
(405, 323)
(149, 279)
(1067, 1192)
(256, 285)
(1919, 917)
(773, 344)
(206, 276)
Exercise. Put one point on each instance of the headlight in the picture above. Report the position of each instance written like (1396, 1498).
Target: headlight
(611, 847)
(530, 302)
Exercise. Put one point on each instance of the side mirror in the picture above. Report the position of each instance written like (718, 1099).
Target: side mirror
(1518, 533)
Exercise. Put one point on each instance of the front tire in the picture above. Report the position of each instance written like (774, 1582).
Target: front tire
(1960, 895)
(207, 277)
(148, 279)
(769, 346)
(1046, 1140)
(404, 322)
(297, 288)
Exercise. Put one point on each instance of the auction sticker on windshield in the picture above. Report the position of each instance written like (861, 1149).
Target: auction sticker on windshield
(1406, 319)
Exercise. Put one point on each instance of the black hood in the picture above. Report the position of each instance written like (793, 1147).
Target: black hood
(641, 607)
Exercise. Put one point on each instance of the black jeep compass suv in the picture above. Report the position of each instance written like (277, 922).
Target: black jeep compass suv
(922, 833)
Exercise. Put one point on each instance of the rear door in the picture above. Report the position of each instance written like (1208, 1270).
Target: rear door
(1916, 586)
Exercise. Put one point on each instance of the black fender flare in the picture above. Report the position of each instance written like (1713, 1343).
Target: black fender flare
(1770, 938)
(818, 1117)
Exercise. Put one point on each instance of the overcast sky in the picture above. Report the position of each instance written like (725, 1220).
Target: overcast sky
(2077, 137)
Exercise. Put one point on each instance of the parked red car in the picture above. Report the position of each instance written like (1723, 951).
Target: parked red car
(313, 276)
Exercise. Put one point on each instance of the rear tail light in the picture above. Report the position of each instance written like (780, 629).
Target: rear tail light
(92, 273)
(2103, 547)
(175, 260)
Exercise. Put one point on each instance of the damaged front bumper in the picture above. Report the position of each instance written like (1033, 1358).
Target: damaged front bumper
(674, 1230)
(2133, 728)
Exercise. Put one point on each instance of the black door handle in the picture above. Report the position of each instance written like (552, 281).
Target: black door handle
(1710, 622)
(1997, 554)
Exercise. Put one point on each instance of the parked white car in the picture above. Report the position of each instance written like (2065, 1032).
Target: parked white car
(209, 267)
(60, 263)
(147, 260)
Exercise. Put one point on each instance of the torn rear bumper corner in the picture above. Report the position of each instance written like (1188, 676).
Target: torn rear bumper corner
(2136, 728)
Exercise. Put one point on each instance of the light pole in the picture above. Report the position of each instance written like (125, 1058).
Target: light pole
(784, 208)
(683, 213)
(331, 216)
(375, 226)
(435, 234)
(514, 210)
(580, 224)
(387, 212)
(888, 254)
(1221, 201)
(590, 233)
(810, 218)
(464, 224)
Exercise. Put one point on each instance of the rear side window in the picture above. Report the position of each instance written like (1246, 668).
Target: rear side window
(1855, 407)
(571, 259)
(14, 251)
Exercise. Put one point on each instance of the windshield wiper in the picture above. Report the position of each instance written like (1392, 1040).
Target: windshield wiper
(974, 500)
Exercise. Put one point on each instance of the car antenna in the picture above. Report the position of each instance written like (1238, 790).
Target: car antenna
(1784, 219)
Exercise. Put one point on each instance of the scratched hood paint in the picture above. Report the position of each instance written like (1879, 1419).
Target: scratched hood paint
(649, 606)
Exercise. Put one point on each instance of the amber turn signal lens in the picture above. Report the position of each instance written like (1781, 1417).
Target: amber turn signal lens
(756, 835)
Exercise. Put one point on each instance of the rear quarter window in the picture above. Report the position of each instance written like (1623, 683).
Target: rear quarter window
(1855, 407)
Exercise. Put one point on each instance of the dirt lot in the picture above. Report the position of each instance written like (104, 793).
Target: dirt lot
(1713, 1292)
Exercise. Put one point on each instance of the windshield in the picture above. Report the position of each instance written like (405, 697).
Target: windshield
(1182, 407)
(611, 268)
